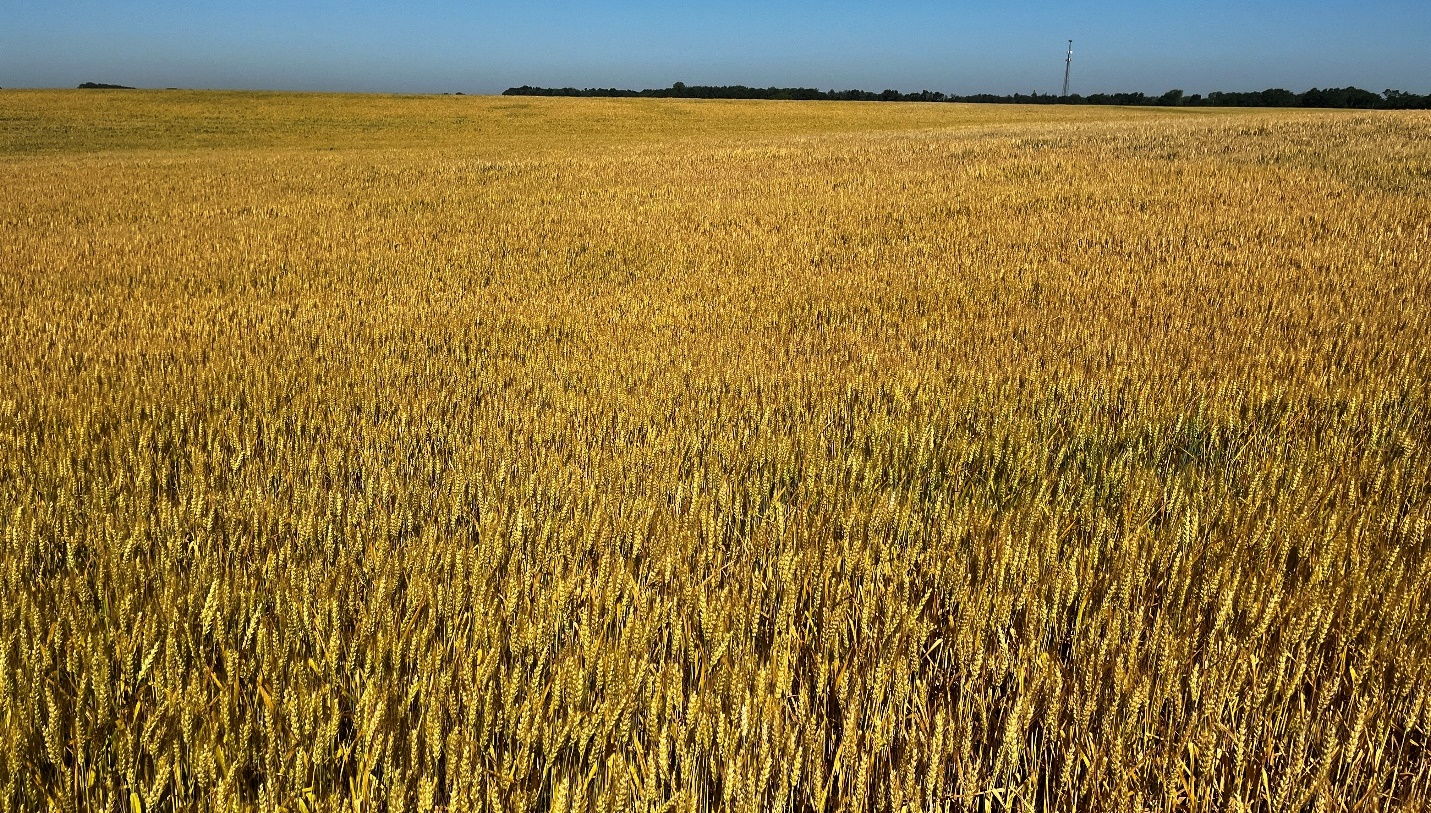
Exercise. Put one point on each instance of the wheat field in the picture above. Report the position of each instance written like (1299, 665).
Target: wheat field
(456, 453)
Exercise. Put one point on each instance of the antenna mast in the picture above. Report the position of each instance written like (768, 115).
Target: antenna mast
(1067, 65)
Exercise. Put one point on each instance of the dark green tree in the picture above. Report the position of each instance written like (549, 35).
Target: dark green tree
(1172, 98)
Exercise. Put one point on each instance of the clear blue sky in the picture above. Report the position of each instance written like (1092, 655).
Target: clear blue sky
(955, 46)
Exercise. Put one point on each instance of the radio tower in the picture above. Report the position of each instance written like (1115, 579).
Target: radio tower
(1067, 65)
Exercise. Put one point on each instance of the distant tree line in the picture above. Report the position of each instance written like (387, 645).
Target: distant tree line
(1347, 97)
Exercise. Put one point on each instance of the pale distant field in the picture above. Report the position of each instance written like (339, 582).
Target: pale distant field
(390, 453)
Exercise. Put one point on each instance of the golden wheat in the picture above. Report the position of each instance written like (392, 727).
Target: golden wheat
(603, 455)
